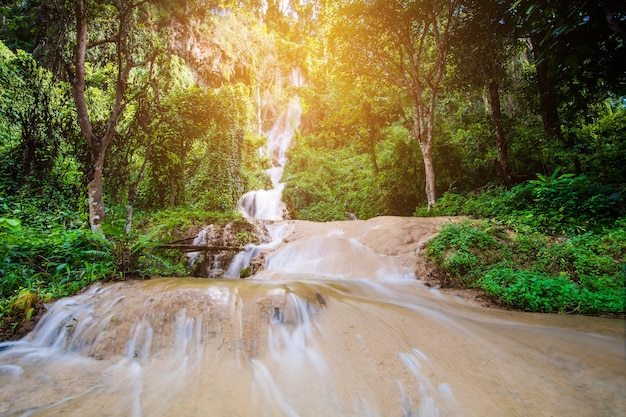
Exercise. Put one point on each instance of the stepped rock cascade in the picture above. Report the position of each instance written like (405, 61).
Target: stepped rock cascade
(267, 204)
(336, 325)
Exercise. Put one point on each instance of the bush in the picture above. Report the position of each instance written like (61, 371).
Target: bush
(464, 249)
(323, 184)
(533, 291)
(532, 271)
(55, 261)
(557, 205)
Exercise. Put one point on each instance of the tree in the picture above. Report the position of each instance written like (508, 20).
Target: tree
(36, 128)
(17, 23)
(579, 48)
(247, 48)
(115, 35)
(407, 44)
(197, 149)
(483, 45)
(125, 38)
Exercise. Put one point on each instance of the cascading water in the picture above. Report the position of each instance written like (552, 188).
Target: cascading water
(267, 204)
(336, 325)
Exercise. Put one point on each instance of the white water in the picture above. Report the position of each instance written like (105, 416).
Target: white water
(267, 204)
(354, 336)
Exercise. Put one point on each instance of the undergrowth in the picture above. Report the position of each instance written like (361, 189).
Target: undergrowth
(555, 244)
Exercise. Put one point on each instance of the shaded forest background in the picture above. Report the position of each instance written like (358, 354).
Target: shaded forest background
(116, 113)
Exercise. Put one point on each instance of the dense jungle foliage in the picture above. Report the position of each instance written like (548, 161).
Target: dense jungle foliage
(121, 122)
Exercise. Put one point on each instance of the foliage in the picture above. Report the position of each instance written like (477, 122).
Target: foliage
(556, 204)
(134, 254)
(564, 254)
(533, 291)
(463, 250)
(37, 154)
(41, 263)
(534, 272)
(198, 149)
(52, 262)
(324, 184)
(599, 142)
(173, 223)
(316, 188)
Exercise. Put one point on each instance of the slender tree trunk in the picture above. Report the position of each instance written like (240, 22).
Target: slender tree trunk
(501, 143)
(97, 144)
(429, 170)
(132, 193)
(423, 130)
(96, 150)
(94, 189)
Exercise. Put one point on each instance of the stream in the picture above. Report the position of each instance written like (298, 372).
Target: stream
(336, 325)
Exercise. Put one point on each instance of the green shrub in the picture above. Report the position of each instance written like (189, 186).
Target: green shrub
(55, 260)
(464, 249)
(561, 204)
(529, 291)
(449, 204)
(533, 291)
(532, 271)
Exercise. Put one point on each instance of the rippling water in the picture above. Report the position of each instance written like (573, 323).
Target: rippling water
(337, 325)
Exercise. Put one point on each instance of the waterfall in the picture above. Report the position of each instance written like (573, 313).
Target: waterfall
(267, 204)
(261, 205)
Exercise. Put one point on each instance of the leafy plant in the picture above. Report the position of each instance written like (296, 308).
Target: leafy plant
(532, 291)
(134, 254)
(559, 204)
(12, 225)
(464, 249)
(532, 271)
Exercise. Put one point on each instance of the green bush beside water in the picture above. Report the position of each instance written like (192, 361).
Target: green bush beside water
(549, 245)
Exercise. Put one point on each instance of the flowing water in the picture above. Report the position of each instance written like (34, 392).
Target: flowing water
(335, 325)
(267, 204)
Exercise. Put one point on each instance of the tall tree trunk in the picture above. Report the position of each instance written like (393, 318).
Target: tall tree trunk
(501, 143)
(423, 130)
(429, 170)
(94, 189)
(547, 97)
(98, 144)
(96, 148)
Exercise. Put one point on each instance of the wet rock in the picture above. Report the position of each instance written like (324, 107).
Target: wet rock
(320, 299)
